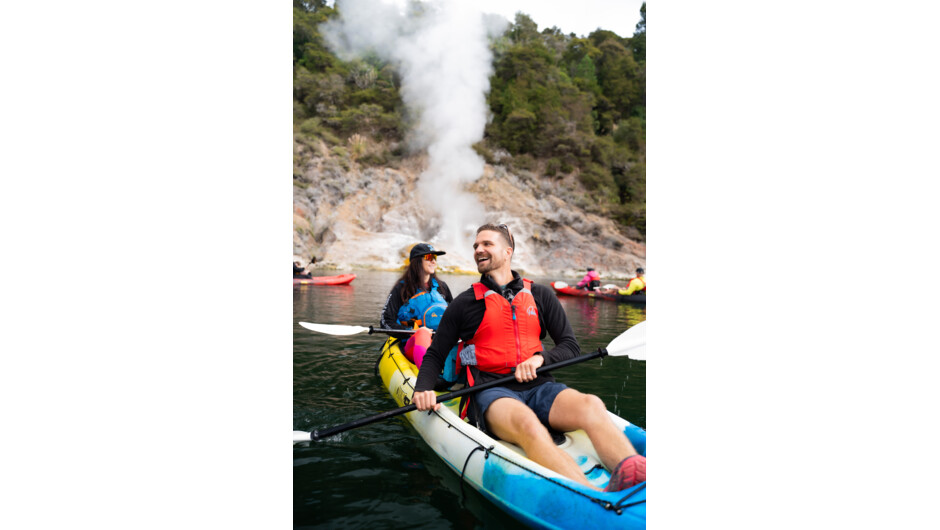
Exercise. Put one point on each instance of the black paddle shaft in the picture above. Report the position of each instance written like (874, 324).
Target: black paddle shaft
(397, 333)
(318, 435)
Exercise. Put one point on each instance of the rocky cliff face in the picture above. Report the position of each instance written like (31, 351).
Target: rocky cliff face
(353, 217)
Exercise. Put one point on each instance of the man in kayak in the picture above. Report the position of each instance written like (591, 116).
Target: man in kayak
(591, 280)
(501, 320)
(637, 284)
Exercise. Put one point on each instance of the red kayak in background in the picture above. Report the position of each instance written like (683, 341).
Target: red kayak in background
(562, 288)
(342, 279)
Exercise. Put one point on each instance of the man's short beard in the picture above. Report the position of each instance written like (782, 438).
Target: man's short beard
(491, 266)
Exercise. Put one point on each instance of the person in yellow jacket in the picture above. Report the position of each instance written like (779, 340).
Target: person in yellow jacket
(637, 284)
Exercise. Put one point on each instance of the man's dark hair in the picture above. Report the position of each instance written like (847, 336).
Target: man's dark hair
(502, 229)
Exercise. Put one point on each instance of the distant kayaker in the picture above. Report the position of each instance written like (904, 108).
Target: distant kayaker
(501, 320)
(637, 284)
(418, 299)
(591, 280)
(299, 271)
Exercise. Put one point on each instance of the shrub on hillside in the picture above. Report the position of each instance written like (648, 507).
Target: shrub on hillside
(485, 152)
(552, 167)
(375, 159)
(596, 177)
(524, 162)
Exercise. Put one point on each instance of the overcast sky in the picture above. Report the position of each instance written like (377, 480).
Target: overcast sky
(580, 17)
(571, 16)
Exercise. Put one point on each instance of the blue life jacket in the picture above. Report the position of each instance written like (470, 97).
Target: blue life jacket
(425, 308)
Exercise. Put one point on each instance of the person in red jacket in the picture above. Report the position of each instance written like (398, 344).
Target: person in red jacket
(502, 319)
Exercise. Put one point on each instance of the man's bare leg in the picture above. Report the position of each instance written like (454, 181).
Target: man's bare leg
(515, 422)
(575, 410)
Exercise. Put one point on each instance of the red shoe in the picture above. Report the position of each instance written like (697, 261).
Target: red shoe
(630, 471)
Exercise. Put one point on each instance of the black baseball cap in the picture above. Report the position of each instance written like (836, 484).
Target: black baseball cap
(423, 249)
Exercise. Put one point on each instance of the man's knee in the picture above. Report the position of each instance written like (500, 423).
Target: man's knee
(585, 409)
(579, 402)
(594, 403)
(594, 409)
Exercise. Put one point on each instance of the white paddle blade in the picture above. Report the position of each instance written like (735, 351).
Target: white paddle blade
(631, 343)
(333, 329)
(302, 436)
(561, 285)
(610, 286)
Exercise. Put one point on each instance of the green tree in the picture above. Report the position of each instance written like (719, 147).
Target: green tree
(309, 5)
(639, 37)
(360, 96)
(524, 30)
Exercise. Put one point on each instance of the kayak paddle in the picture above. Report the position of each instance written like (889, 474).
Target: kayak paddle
(335, 329)
(631, 343)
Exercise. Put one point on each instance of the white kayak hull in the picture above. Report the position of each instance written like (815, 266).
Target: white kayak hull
(500, 471)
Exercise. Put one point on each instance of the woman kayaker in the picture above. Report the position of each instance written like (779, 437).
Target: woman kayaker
(418, 300)
(501, 320)
(591, 280)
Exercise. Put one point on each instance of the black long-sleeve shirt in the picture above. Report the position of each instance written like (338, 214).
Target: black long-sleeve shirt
(464, 315)
(299, 272)
(393, 303)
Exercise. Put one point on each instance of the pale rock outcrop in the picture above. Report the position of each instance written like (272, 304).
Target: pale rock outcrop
(351, 217)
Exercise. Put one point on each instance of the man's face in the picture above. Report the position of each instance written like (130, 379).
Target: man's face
(490, 252)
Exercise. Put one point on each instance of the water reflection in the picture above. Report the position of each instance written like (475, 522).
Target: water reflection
(597, 322)
(631, 313)
(336, 299)
(589, 315)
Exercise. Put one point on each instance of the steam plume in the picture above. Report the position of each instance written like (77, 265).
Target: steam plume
(441, 49)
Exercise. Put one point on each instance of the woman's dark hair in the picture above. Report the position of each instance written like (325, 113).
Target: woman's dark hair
(412, 278)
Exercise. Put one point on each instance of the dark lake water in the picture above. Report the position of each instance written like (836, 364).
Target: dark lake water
(383, 475)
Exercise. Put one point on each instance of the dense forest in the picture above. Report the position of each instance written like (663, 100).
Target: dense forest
(560, 104)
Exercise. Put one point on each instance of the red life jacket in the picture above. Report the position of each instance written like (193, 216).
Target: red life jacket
(509, 332)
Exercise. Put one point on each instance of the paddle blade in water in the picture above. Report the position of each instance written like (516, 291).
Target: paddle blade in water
(334, 329)
(631, 343)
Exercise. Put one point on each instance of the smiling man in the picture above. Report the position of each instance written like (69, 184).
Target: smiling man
(501, 320)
